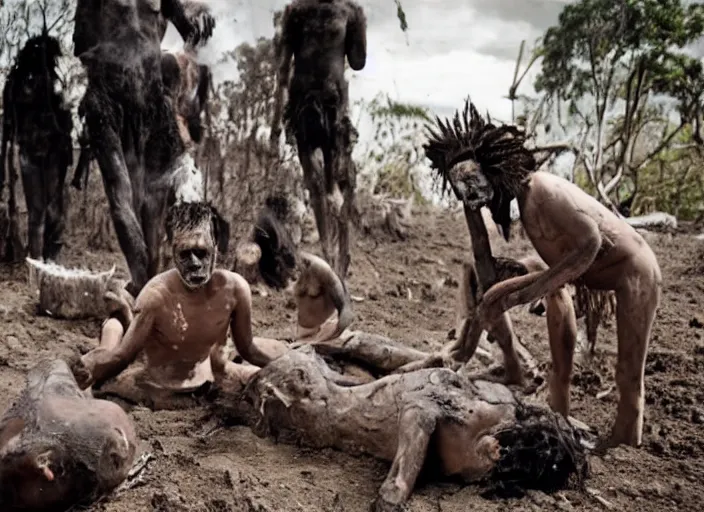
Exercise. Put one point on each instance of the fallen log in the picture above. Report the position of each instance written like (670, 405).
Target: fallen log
(73, 293)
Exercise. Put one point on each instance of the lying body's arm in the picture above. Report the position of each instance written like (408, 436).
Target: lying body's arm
(104, 363)
(241, 327)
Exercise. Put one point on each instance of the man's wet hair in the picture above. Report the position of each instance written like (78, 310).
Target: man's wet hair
(541, 451)
(187, 216)
(278, 259)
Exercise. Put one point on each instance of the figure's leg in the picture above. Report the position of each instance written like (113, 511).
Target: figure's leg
(36, 196)
(152, 216)
(636, 305)
(502, 332)
(54, 223)
(415, 427)
(104, 131)
(592, 320)
(562, 333)
(313, 176)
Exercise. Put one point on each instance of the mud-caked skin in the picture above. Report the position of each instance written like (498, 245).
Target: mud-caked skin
(59, 448)
(187, 84)
(132, 129)
(407, 419)
(37, 120)
(178, 333)
(318, 35)
(581, 241)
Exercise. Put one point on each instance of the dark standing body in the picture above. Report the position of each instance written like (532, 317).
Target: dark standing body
(132, 127)
(319, 35)
(37, 120)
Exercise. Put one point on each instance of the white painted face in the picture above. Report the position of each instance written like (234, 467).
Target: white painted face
(194, 255)
(471, 185)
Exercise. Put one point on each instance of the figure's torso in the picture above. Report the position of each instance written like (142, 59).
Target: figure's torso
(620, 242)
(186, 327)
(317, 31)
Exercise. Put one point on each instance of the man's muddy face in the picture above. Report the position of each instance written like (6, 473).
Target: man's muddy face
(471, 185)
(194, 255)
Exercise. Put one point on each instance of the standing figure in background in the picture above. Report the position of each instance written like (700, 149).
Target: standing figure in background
(131, 122)
(36, 118)
(318, 35)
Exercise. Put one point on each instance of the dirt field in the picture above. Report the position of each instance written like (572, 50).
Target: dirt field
(407, 290)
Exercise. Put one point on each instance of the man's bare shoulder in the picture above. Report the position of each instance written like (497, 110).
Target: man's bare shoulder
(231, 281)
(156, 291)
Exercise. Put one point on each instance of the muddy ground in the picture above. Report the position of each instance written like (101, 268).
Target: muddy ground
(407, 290)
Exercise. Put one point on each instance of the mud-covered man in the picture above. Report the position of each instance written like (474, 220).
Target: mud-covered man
(580, 240)
(131, 122)
(36, 118)
(177, 335)
(318, 35)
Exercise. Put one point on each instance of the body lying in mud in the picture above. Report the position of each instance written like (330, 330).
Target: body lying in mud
(431, 418)
(58, 448)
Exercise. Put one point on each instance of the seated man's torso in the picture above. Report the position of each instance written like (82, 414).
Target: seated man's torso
(186, 327)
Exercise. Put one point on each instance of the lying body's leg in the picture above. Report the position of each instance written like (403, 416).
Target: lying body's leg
(415, 427)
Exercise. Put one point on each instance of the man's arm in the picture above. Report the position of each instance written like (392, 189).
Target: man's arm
(356, 38)
(241, 327)
(193, 20)
(334, 289)
(103, 363)
(284, 53)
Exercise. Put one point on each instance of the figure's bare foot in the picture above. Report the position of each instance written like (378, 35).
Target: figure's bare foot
(559, 396)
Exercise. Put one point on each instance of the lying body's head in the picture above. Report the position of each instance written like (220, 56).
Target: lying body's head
(59, 448)
(196, 232)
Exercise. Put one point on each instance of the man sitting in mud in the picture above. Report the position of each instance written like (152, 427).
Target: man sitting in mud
(177, 335)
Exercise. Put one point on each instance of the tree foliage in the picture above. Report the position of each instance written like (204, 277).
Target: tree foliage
(617, 77)
(392, 162)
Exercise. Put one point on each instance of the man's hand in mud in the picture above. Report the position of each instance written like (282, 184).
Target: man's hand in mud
(83, 376)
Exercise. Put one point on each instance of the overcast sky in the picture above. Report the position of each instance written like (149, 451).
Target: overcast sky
(453, 48)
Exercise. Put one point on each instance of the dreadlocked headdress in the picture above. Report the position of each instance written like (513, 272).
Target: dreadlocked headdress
(498, 150)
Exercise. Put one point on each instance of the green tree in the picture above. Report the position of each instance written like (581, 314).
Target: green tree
(617, 73)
